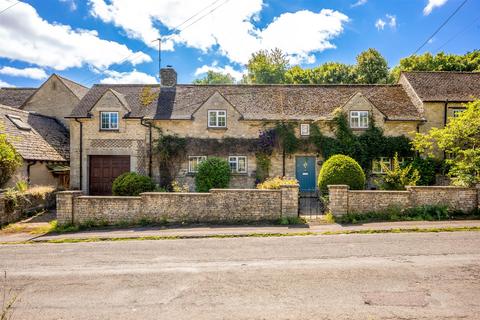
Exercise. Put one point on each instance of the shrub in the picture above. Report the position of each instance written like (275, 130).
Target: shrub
(10, 160)
(340, 169)
(276, 183)
(212, 173)
(398, 177)
(427, 168)
(132, 184)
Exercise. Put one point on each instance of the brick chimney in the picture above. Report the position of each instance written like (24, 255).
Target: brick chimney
(168, 77)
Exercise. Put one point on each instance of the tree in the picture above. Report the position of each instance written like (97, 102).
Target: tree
(213, 77)
(440, 62)
(372, 67)
(327, 73)
(267, 67)
(460, 142)
(397, 177)
(10, 160)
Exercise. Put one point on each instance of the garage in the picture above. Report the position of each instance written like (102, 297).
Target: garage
(103, 170)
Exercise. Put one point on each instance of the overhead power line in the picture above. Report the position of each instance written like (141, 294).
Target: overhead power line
(9, 7)
(175, 30)
(459, 33)
(441, 26)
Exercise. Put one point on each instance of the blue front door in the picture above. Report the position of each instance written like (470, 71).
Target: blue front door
(305, 173)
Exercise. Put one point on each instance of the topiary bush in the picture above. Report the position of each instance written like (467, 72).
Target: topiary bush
(132, 184)
(212, 173)
(340, 169)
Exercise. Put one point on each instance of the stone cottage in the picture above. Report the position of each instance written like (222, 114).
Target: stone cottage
(35, 124)
(114, 127)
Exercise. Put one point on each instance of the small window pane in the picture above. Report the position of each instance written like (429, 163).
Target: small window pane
(194, 162)
(212, 115)
(242, 164)
(304, 129)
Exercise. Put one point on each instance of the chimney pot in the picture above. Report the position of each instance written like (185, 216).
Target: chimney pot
(168, 77)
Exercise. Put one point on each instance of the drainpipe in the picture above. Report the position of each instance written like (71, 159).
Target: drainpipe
(81, 153)
(30, 163)
(445, 109)
(445, 113)
(149, 126)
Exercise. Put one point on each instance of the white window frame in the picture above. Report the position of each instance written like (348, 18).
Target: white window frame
(218, 114)
(235, 160)
(457, 111)
(198, 159)
(357, 115)
(381, 160)
(109, 113)
(305, 129)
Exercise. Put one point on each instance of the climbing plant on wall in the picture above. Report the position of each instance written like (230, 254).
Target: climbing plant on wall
(170, 150)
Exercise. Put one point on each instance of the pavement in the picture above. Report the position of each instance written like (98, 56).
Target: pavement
(199, 231)
(349, 276)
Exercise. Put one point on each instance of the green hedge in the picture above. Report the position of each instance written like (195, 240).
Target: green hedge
(132, 184)
(212, 173)
(340, 169)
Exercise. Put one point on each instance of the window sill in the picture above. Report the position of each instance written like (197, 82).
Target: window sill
(110, 130)
(236, 174)
(358, 129)
(217, 128)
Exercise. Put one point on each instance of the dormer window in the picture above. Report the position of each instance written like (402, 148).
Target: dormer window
(359, 119)
(217, 118)
(109, 120)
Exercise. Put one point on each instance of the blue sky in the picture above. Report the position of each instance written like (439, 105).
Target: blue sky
(111, 40)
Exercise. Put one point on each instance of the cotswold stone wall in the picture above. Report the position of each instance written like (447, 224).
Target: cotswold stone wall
(344, 201)
(218, 205)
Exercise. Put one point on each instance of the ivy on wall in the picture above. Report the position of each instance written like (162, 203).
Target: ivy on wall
(364, 148)
(171, 150)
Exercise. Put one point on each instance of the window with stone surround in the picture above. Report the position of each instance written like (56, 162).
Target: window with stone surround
(359, 119)
(108, 120)
(304, 129)
(377, 165)
(194, 161)
(456, 112)
(217, 118)
(238, 164)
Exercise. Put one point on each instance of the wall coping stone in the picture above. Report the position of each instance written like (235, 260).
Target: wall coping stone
(380, 191)
(175, 193)
(440, 187)
(338, 186)
(244, 190)
(288, 186)
(110, 197)
(70, 192)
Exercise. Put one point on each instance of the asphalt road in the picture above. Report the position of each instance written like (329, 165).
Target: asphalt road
(389, 276)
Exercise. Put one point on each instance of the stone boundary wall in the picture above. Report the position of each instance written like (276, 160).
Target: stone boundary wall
(26, 203)
(216, 206)
(343, 200)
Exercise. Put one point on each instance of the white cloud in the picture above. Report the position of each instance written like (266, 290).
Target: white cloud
(131, 77)
(432, 4)
(229, 29)
(237, 75)
(71, 4)
(25, 36)
(380, 24)
(359, 3)
(390, 21)
(32, 73)
(4, 84)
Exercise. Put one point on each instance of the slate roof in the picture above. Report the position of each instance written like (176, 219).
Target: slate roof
(47, 140)
(15, 97)
(445, 85)
(78, 90)
(256, 102)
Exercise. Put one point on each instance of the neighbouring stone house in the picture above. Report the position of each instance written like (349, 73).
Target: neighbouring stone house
(113, 126)
(35, 124)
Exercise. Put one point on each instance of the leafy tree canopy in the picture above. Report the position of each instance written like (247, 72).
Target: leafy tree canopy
(266, 67)
(440, 62)
(213, 77)
(372, 67)
(460, 142)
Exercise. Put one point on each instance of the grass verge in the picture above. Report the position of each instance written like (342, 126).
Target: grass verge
(252, 235)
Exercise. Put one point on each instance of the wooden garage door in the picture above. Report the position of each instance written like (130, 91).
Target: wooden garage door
(103, 170)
